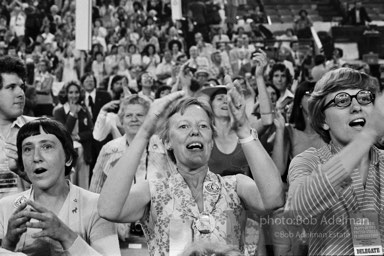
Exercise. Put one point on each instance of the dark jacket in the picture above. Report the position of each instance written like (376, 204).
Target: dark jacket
(85, 128)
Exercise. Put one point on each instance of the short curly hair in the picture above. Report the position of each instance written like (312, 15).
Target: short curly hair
(12, 65)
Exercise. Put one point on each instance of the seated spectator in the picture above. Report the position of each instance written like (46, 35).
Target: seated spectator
(174, 46)
(219, 37)
(133, 57)
(217, 69)
(205, 49)
(196, 61)
(164, 69)
(150, 59)
(54, 217)
(78, 122)
(145, 86)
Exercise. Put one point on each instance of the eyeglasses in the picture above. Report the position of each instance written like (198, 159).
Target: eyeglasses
(343, 99)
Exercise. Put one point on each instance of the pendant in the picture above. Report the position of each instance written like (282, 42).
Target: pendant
(205, 223)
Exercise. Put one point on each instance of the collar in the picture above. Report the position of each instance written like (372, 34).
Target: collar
(66, 107)
(20, 121)
(93, 94)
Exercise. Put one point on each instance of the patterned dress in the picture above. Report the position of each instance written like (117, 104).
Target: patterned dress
(171, 220)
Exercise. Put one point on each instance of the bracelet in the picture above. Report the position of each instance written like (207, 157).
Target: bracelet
(268, 113)
(250, 138)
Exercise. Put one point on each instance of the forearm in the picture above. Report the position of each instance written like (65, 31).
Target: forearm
(265, 174)
(101, 130)
(340, 167)
(279, 151)
(119, 181)
(265, 102)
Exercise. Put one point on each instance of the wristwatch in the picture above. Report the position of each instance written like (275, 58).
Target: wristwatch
(250, 138)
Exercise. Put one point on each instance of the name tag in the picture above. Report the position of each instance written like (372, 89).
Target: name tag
(365, 233)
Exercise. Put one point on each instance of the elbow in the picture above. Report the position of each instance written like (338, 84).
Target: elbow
(275, 202)
(106, 212)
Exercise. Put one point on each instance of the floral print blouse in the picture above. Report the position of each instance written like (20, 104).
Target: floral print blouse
(171, 217)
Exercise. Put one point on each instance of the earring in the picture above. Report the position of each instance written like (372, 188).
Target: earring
(69, 162)
(326, 127)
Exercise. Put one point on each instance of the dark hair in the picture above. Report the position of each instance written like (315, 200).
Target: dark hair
(12, 65)
(340, 51)
(139, 80)
(219, 91)
(303, 11)
(172, 42)
(146, 49)
(297, 117)
(281, 67)
(49, 126)
(87, 75)
(73, 83)
(319, 59)
(161, 89)
(180, 107)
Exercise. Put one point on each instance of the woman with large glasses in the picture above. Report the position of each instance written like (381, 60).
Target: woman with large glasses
(341, 185)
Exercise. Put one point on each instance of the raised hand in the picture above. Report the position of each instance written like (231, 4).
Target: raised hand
(261, 62)
(11, 153)
(279, 121)
(51, 226)
(111, 106)
(157, 110)
(237, 113)
(16, 227)
(375, 121)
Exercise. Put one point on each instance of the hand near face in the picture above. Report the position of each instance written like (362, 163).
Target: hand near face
(375, 121)
(51, 226)
(157, 110)
(74, 108)
(111, 106)
(16, 227)
(11, 153)
(237, 109)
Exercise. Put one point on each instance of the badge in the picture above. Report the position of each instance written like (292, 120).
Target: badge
(20, 200)
(365, 233)
(85, 122)
(205, 223)
(212, 187)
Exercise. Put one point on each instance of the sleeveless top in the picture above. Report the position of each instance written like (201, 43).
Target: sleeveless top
(228, 164)
(169, 222)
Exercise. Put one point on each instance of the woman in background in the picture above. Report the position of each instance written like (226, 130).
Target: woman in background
(78, 121)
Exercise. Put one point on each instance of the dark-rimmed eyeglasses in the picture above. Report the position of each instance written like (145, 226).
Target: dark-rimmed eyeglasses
(343, 99)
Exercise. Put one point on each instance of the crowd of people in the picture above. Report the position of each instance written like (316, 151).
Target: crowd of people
(181, 131)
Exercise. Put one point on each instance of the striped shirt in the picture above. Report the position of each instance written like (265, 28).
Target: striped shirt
(325, 209)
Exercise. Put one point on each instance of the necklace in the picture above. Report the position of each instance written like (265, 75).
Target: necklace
(203, 221)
